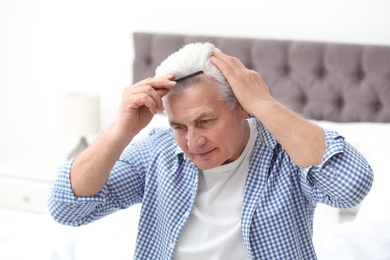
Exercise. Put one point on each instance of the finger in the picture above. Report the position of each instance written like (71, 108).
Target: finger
(225, 67)
(229, 60)
(154, 94)
(160, 82)
(155, 87)
(152, 105)
(143, 100)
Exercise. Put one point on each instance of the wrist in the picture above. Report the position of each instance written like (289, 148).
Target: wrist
(264, 108)
(118, 137)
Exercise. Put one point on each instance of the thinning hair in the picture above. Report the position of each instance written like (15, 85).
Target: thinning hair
(191, 58)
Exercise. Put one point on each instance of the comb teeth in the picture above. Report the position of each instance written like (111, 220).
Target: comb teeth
(189, 75)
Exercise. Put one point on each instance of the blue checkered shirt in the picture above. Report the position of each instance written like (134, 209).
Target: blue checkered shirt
(278, 206)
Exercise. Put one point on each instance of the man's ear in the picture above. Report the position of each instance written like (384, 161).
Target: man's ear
(243, 112)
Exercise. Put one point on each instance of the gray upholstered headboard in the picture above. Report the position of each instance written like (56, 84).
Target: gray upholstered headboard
(322, 81)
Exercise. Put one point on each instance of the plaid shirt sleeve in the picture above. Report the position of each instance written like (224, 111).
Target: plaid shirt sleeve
(123, 189)
(342, 179)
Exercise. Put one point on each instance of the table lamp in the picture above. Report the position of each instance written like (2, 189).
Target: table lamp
(82, 118)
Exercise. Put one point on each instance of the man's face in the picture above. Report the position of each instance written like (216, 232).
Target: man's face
(205, 128)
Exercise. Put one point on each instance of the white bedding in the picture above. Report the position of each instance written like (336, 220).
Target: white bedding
(36, 237)
(27, 236)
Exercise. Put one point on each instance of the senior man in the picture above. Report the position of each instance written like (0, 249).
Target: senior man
(237, 175)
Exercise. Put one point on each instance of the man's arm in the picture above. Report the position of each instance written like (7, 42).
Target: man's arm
(91, 168)
(303, 140)
(342, 179)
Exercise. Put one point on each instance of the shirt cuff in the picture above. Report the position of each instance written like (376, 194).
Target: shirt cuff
(63, 189)
(334, 145)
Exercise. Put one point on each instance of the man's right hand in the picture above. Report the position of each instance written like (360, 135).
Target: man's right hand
(140, 102)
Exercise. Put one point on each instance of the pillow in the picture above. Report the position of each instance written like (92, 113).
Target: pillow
(112, 237)
(324, 217)
(353, 240)
(361, 134)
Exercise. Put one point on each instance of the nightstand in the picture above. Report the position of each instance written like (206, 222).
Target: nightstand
(26, 183)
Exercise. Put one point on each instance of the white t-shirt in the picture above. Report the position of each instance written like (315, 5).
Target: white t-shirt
(213, 230)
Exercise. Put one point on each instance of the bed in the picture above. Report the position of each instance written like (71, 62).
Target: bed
(344, 87)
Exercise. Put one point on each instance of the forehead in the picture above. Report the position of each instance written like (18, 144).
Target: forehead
(198, 99)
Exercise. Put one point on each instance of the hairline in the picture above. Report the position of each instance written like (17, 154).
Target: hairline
(203, 79)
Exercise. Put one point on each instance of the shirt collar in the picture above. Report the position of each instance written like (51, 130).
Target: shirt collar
(268, 139)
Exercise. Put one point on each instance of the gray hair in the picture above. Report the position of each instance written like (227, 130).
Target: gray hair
(191, 58)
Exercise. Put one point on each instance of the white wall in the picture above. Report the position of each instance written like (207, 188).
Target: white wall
(50, 47)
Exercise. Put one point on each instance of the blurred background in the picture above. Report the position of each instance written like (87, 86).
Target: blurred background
(52, 50)
(50, 47)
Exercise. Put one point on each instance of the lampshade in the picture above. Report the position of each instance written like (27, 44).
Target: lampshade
(82, 114)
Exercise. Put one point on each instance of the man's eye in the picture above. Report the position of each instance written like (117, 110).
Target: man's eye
(205, 121)
(178, 127)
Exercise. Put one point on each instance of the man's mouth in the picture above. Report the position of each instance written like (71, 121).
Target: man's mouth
(203, 154)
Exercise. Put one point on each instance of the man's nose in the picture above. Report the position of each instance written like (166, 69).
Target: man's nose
(195, 139)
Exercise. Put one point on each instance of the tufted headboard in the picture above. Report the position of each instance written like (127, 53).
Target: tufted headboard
(322, 81)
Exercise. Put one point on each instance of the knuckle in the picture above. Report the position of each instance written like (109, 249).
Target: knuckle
(148, 79)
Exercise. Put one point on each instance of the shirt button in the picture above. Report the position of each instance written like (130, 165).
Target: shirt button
(172, 245)
(186, 214)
